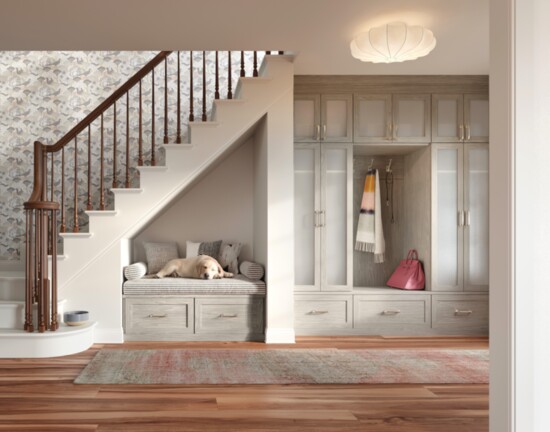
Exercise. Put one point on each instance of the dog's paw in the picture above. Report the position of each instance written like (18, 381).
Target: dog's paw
(228, 275)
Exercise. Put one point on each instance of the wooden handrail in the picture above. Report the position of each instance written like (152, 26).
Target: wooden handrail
(102, 107)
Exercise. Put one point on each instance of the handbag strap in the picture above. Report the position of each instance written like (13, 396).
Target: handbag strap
(412, 255)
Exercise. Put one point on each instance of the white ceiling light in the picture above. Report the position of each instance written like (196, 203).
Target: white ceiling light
(394, 42)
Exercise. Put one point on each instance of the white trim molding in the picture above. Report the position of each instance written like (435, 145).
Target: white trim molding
(279, 335)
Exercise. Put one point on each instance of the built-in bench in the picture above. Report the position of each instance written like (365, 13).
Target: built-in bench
(194, 309)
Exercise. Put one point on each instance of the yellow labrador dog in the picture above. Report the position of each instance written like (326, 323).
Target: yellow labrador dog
(199, 267)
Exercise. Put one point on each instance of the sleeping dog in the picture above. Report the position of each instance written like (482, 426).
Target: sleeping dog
(199, 267)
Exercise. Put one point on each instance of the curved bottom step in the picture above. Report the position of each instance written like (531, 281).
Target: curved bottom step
(66, 340)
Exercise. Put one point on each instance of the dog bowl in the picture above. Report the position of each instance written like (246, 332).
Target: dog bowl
(76, 318)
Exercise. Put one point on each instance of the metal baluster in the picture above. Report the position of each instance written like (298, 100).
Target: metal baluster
(114, 148)
(178, 137)
(89, 203)
(217, 84)
(229, 92)
(63, 226)
(76, 226)
(255, 71)
(127, 182)
(153, 159)
(140, 139)
(165, 100)
(102, 170)
(191, 114)
(243, 73)
(204, 118)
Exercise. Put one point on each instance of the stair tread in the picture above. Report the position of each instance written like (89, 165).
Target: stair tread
(12, 274)
(159, 168)
(75, 235)
(101, 212)
(178, 146)
(126, 190)
(62, 331)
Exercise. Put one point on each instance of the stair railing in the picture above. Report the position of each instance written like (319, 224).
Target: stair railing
(49, 194)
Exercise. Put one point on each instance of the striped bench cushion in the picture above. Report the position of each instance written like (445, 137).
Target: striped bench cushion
(239, 285)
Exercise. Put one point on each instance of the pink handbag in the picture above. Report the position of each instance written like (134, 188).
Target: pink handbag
(409, 274)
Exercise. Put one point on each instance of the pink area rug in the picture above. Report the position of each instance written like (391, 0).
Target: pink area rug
(287, 366)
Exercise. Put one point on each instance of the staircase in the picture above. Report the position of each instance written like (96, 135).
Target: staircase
(88, 273)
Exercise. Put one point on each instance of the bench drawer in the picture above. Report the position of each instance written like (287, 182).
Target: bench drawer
(399, 309)
(461, 313)
(229, 315)
(154, 316)
(322, 311)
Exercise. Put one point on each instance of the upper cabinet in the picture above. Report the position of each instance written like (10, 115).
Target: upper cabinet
(460, 118)
(323, 118)
(392, 118)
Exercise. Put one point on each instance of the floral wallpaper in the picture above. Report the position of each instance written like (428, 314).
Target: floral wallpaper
(44, 94)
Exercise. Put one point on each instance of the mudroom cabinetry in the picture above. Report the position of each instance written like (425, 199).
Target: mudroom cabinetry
(323, 176)
(460, 118)
(392, 118)
(323, 118)
(460, 217)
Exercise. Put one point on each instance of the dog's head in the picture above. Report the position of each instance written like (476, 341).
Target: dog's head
(208, 268)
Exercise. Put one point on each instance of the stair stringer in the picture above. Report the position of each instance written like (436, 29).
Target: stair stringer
(90, 275)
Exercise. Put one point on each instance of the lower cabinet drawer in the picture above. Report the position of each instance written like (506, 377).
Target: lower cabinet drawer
(392, 310)
(322, 311)
(229, 315)
(461, 313)
(157, 316)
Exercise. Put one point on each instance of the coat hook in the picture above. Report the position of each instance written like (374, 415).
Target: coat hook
(371, 164)
(388, 166)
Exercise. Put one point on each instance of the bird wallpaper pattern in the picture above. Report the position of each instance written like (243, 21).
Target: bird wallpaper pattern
(44, 94)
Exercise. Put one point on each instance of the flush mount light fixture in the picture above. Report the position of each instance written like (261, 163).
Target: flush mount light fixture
(394, 42)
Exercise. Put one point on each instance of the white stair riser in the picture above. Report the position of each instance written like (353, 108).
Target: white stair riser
(12, 289)
(12, 315)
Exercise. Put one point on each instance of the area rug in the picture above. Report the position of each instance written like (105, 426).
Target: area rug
(287, 366)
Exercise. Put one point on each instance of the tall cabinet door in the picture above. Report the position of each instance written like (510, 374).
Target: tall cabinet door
(447, 217)
(476, 209)
(447, 118)
(307, 179)
(336, 217)
(336, 118)
(307, 118)
(476, 117)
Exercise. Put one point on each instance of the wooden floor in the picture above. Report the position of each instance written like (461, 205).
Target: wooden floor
(38, 395)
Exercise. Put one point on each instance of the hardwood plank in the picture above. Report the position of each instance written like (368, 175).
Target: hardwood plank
(39, 395)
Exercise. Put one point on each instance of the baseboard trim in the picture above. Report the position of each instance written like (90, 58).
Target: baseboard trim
(279, 335)
(108, 335)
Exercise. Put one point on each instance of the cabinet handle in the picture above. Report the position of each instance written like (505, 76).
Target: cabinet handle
(459, 312)
(318, 133)
(227, 315)
(391, 312)
(460, 219)
(461, 137)
(324, 136)
(467, 218)
(468, 136)
(388, 131)
(156, 316)
(317, 312)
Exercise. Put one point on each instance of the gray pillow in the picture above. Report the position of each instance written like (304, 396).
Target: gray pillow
(135, 271)
(203, 248)
(158, 254)
(252, 270)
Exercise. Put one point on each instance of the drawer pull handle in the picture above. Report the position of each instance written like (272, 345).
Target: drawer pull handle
(227, 316)
(156, 316)
(317, 312)
(463, 312)
(391, 312)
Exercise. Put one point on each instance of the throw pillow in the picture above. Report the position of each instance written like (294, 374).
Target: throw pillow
(158, 254)
(135, 271)
(229, 257)
(203, 248)
(252, 270)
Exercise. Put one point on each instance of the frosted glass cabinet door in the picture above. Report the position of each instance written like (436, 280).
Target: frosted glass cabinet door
(476, 208)
(307, 123)
(476, 113)
(336, 217)
(306, 219)
(447, 118)
(373, 118)
(447, 230)
(336, 118)
(411, 118)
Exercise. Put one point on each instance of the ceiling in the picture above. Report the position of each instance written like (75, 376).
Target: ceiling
(319, 31)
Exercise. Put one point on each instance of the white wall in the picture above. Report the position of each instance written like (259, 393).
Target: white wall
(219, 207)
(520, 233)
